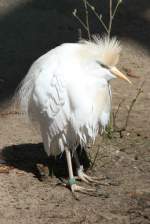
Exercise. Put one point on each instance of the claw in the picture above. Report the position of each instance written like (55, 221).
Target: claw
(88, 179)
(77, 188)
(88, 191)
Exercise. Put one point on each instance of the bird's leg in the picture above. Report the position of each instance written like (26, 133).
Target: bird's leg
(72, 182)
(81, 175)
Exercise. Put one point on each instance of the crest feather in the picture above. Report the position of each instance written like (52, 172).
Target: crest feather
(106, 50)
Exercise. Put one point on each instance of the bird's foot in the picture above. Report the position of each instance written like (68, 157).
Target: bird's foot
(78, 188)
(96, 192)
(88, 179)
(74, 187)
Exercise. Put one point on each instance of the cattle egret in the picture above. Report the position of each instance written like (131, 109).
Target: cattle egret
(67, 91)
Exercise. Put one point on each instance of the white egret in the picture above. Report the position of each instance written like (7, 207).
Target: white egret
(67, 92)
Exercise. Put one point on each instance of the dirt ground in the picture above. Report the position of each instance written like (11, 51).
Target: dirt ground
(26, 198)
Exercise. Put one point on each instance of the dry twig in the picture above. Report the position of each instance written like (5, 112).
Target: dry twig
(134, 100)
(86, 25)
(95, 157)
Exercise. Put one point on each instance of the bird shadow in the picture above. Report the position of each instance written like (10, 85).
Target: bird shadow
(25, 157)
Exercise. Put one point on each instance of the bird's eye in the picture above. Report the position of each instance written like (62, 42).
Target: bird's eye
(102, 65)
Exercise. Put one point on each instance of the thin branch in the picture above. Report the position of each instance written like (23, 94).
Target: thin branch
(78, 18)
(95, 157)
(86, 25)
(117, 111)
(124, 127)
(87, 19)
(115, 10)
(79, 34)
(99, 17)
(132, 105)
(112, 14)
(110, 18)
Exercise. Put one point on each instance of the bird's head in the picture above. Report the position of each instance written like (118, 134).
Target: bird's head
(113, 72)
(106, 53)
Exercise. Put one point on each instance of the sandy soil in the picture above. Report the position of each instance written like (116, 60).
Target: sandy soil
(27, 198)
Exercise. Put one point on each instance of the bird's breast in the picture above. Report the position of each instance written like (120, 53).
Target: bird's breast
(103, 104)
(90, 102)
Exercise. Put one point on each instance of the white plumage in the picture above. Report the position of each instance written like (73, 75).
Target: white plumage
(67, 92)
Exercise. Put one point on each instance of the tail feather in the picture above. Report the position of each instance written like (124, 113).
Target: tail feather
(23, 94)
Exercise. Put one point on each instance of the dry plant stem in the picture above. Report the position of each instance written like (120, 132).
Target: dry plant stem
(95, 157)
(81, 22)
(110, 18)
(86, 25)
(87, 19)
(120, 130)
(115, 10)
(112, 15)
(99, 17)
(117, 111)
(132, 105)
(79, 34)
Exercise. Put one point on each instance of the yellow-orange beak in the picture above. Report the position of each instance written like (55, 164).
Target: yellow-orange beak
(119, 74)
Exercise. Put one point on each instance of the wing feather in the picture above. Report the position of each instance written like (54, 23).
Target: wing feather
(43, 97)
(51, 106)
